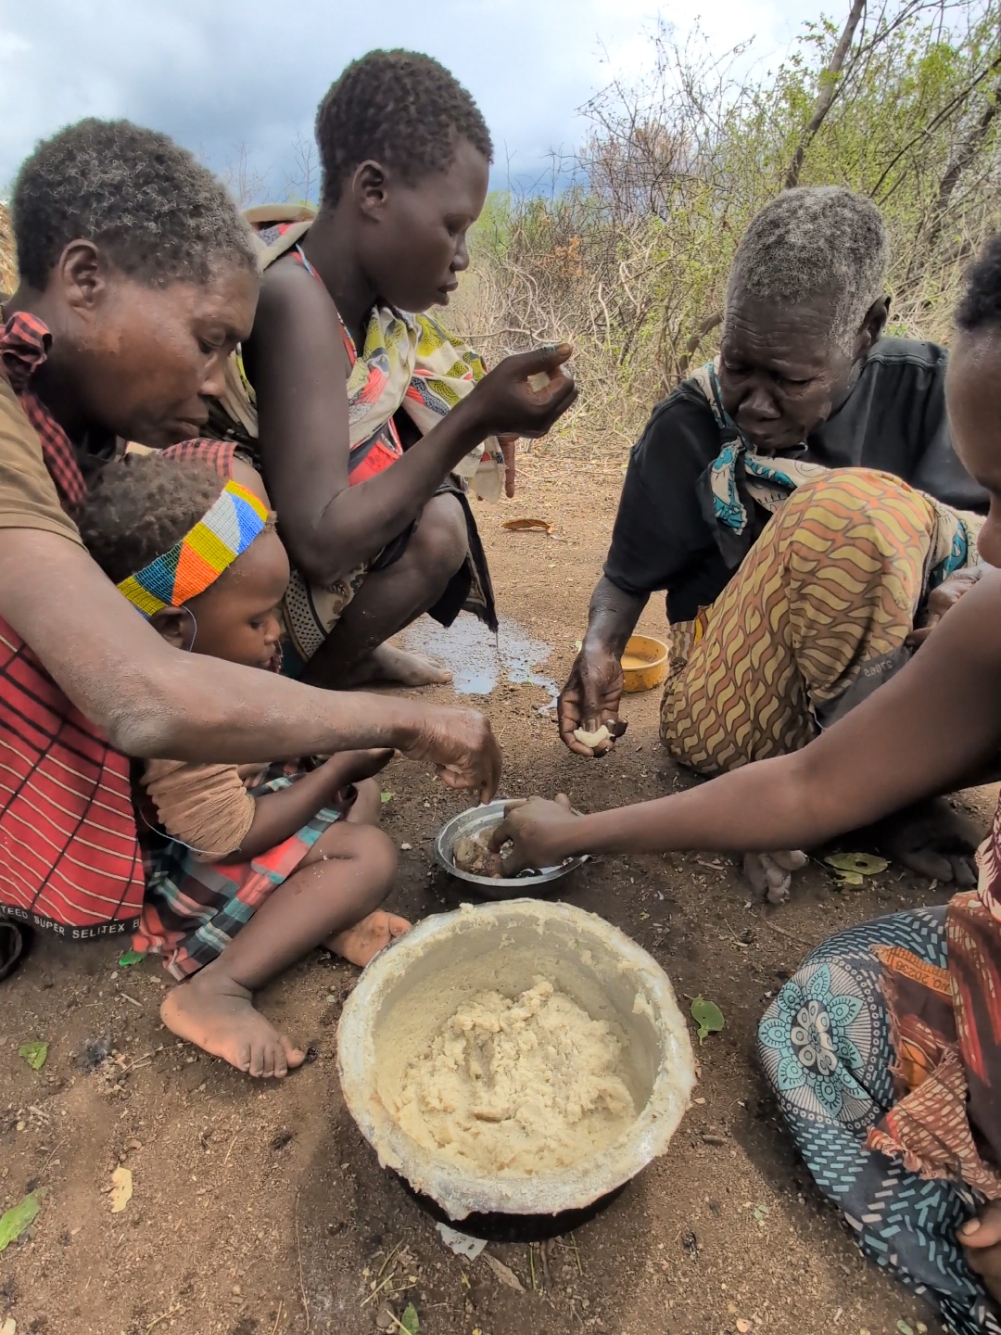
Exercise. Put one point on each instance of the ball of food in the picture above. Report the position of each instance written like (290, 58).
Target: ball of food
(472, 853)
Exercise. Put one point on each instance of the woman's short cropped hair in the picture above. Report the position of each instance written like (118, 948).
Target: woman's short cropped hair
(401, 109)
(980, 307)
(160, 215)
(816, 241)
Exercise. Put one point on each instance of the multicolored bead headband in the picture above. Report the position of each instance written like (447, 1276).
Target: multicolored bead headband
(200, 557)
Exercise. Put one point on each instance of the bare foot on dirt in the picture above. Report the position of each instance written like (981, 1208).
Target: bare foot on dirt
(365, 939)
(934, 840)
(402, 668)
(217, 1014)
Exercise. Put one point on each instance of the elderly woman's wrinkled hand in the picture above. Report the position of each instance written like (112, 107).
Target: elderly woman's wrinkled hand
(940, 600)
(534, 827)
(462, 747)
(591, 699)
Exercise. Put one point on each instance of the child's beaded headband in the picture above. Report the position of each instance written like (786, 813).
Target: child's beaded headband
(200, 557)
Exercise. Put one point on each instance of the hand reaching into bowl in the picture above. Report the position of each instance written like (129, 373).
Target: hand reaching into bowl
(534, 828)
(460, 745)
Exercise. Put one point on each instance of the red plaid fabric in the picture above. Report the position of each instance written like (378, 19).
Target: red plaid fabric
(24, 345)
(218, 454)
(69, 854)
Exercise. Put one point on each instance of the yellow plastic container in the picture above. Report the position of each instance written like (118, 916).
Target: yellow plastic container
(644, 663)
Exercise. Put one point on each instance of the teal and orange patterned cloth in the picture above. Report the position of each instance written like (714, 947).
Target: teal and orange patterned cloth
(884, 1054)
(947, 1039)
(199, 558)
(826, 1045)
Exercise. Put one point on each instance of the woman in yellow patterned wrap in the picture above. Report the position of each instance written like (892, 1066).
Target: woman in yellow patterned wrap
(800, 501)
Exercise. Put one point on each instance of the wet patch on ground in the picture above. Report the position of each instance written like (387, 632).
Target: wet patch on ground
(479, 660)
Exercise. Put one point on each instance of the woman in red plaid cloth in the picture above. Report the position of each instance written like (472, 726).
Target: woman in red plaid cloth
(137, 282)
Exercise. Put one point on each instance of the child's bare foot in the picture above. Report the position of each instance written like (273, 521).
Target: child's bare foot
(217, 1014)
(360, 943)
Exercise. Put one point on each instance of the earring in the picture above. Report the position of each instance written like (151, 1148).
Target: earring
(194, 629)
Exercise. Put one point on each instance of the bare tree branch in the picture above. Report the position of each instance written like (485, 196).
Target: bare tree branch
(962, 158)
(828, 89)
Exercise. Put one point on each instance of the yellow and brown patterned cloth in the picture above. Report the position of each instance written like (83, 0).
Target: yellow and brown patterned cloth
(814, 620)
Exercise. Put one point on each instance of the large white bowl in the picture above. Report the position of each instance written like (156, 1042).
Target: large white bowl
(408, 992)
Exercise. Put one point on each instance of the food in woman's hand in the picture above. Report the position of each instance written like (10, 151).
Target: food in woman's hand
(592, 738)
(539, 381)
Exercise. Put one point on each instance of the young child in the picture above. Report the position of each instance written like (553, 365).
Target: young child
(248, 870)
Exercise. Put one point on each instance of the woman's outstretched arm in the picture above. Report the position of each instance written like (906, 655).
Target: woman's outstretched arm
(153, 700)
(935, 722)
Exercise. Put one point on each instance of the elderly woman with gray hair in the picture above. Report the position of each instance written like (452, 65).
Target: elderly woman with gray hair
(800, 501)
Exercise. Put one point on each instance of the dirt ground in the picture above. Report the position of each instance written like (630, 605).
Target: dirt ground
(259, 1209)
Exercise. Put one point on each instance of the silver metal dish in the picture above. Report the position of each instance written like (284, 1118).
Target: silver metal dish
(475, 821)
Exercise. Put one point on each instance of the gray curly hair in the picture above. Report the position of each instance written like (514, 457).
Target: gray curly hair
(815, 241)
(161, 216)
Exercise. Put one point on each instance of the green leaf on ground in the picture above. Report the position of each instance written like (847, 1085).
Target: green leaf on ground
(410, 1320)
(15, 1221)
(578, 645)
(129, 958)
(857, 864)
(34, 1054)
(708, 1016)
(904, 1328)
(386, 797)
(760, 1213)
(853, 878)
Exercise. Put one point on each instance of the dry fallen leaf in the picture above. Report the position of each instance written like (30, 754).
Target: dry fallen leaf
(504, 1273)
(528, 526)
(121, 1189)
(9, 1327)
(743, 1326)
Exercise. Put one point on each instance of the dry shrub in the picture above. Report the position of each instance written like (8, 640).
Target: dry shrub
(8, 260)
(629, 256)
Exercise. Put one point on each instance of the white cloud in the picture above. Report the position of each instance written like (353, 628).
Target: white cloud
(234, 72)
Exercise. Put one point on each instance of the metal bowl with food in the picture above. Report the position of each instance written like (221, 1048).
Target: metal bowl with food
(475, 826)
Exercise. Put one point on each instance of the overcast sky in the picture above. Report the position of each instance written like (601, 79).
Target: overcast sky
(221, 74)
